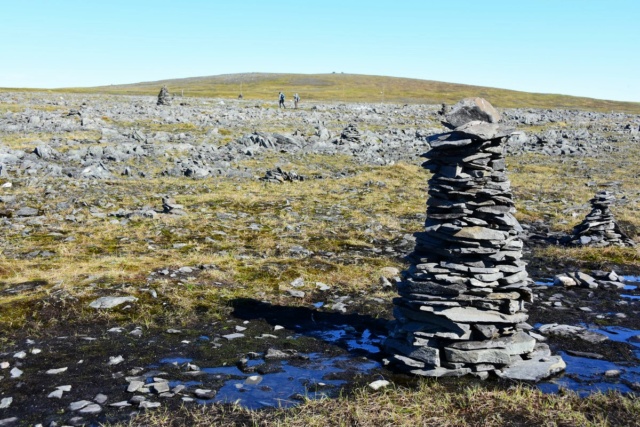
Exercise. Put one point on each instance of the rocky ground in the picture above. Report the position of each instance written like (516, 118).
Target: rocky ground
(214, 250)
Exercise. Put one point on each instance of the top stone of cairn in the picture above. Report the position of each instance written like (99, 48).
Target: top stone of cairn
(470, 109)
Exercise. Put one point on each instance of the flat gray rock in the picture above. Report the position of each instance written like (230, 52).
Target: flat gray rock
(230, 337)
(26, 212)
(533, 370)
(470, 109)
(493, 356)
(482, 130)
(93, 408)
(110, 302)
(76, 406)
(480, 233)
(441, 372)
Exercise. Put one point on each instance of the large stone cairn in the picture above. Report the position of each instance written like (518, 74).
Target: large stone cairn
(599, 228)
(461, 306)
(163, 97)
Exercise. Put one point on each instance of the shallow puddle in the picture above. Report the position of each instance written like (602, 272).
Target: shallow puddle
(585, 376)
(285, 383)
(288, 387)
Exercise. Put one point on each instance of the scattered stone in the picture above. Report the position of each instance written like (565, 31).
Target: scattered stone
(100, 398)
(230, 337)
(298, 283)
(76, 406)
(115, 360)
(134, 386)
(149, 405)
(6, 402)
(564, 280)
(322, 286)
(253, 380)
(15, 373)
(377, 385)
(296, 293)
(110, 302)
(56, 371)
(92, 408)
(160, 387)
(20, 355)
(204, 393)
(57, 394)
(26, 212)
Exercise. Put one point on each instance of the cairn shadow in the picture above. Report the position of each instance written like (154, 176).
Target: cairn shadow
(362, 333)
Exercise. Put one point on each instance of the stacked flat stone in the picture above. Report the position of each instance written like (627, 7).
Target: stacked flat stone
(461, 305)
(163, 97)
(350, 134)
(599, 228)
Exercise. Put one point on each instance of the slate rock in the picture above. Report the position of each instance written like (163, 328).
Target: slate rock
(110, 302)
(470, 109)
(534, 369)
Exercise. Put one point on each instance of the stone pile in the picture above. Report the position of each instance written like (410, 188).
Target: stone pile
(350, 135)
(461, 306)
(599, 228)
(169, 206)
(280, 176)
(163, 97)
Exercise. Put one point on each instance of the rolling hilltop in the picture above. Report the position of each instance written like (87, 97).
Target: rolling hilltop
(355, 88)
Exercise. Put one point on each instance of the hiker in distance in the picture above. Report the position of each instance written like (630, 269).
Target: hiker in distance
(296, 99)
(281, 100)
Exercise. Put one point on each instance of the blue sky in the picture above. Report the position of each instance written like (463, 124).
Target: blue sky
(575, 47)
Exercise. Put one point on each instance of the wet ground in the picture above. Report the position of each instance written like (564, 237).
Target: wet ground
(267, 355)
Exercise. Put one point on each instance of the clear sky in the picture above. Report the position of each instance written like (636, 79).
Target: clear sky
(575, 47)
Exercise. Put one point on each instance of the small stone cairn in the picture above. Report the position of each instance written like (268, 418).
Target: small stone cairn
(163, 97)
(599, 228)
(350, 135)
(280, 176)
(461, 306)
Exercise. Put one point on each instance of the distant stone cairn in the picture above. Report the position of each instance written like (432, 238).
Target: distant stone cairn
(599, 228)
(163, 97)
(461, 305)
(350, 135)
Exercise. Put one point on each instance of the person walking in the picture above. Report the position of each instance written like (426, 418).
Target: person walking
(296, 99)
(281, 100)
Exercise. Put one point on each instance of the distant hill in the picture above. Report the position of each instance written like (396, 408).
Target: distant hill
(340, 87)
